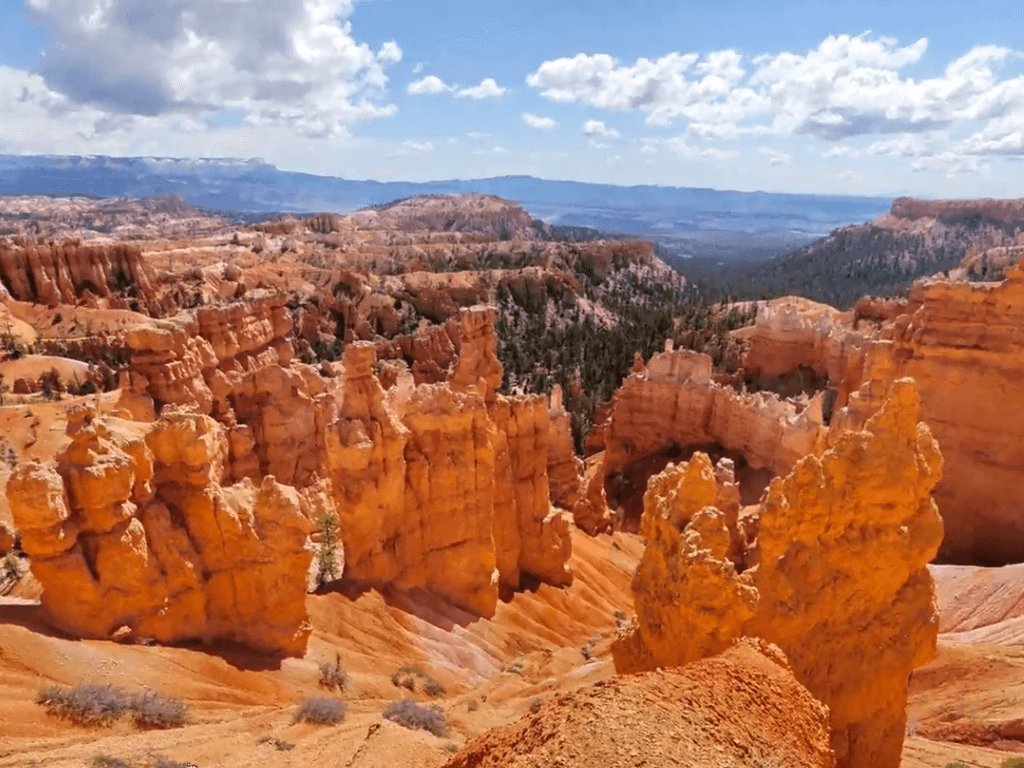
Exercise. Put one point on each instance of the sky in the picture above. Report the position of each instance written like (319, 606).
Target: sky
(842, 97)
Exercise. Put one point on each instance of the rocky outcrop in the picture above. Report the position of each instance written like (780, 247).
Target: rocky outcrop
(437, 486)
(740, 709)
(793, 334)
(62, 273)
(134, 529)
(831, 567)
(962, 343)
(565, 468)
(444, 486)
(674, 402)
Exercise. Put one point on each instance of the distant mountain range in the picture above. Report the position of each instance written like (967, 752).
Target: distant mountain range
(706, 224)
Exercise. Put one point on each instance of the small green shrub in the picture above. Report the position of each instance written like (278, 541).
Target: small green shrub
(326, 563)
(85, 704)
(535, 705)
(473, 705)
(1013, 762)
(320, 710)
(424, 717)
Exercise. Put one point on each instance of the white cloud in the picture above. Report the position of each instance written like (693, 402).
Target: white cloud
(538, 122)
(598, 130)
(431, 85)
(282, 64)
(487, 89)
(848, 86)
(389, 53)
(414, 147)
(418, 68)
(775, 157)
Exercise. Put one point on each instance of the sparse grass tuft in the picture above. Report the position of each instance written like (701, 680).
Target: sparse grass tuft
(424, 717)
(333, 676)
(154, 710)
(411, 678)
(320, 710)
(93, 704)
(87, 704)
(105, 761)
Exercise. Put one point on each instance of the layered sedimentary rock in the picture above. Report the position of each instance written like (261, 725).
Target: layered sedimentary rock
(445, 486)
(62, 273)
(831, 568)
(437, 486)
(674, 402)
(134, 528)
(962, 342)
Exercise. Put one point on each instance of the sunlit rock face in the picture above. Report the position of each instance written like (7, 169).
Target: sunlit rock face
(831, 567)
(133, 528)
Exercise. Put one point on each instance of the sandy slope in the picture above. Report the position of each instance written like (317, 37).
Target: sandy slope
(967, 705)
(236, 696)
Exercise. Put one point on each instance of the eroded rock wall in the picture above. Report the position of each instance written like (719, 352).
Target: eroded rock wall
(675, 402)
(61, 273)
(962, 343)
(831, 568)
(438, 486)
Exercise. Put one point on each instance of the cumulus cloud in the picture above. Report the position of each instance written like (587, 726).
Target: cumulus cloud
(487, 89)
(775, 157)
(598, 130)
(538, 122)
(431, 85)
(292, 64)
(847, 87)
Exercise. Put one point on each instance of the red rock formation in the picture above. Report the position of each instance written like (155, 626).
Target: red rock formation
(962, 343)
(831, 568)
(133, 528)
(675, 403)
(61, 273)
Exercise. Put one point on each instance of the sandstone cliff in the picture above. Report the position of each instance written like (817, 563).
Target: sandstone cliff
(62, 273)
(445, 486)
(437, 486)
(962, 343)
(831, 568)
(133, 529)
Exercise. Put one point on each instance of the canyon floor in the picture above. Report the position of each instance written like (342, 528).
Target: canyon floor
(967, 705)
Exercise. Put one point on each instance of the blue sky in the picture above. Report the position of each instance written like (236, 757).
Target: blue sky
(841, 97)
